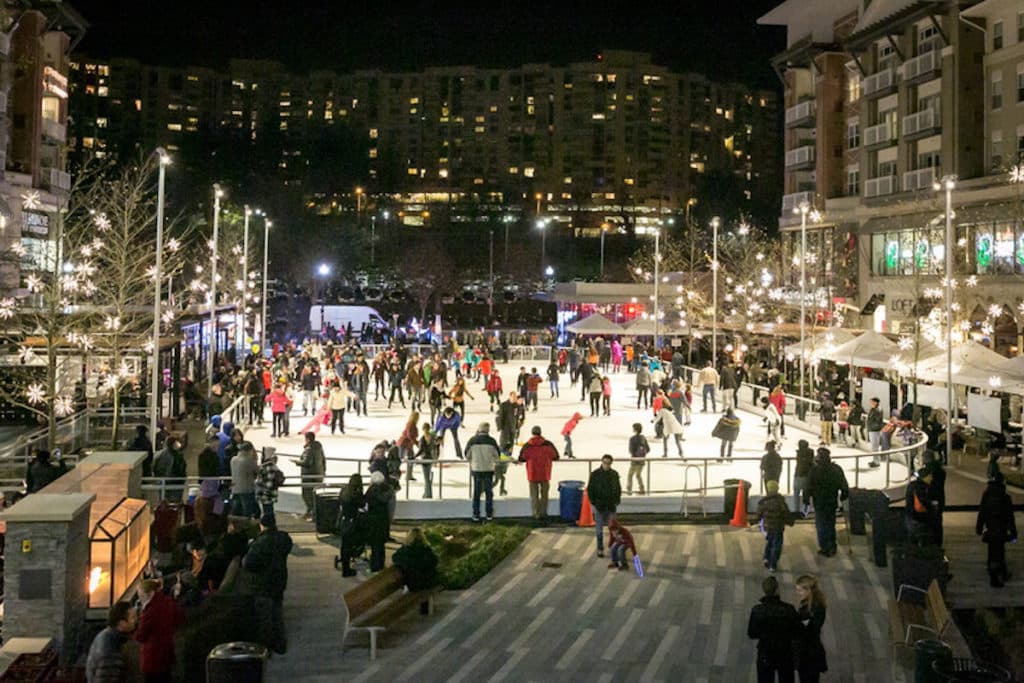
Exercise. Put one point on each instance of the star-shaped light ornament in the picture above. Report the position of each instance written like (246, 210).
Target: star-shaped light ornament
(63, 406)
(26, 355)
(31, 201)
(35, 393)
(7, 305)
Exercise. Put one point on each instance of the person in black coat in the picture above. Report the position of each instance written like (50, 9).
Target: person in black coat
(604, 490)
(41, 471)
(417, 562)
(811, 661)
(773, 624)
(378, 521)
(996, 526)
(936, 493)
(351, 501)
(267, 562)
(771, 463)
(825, 483)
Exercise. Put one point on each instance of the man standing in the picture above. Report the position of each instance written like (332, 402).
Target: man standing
(105, 662)
(509, 419)
(159, 618)
(997, 527)
(267, 562)
(538, 453)
(825, 482)
(533, 382)
(170, 466)
(643, 386)
(775, 517)
(605, 492)
(313, 466)
(730, 385)
(482, 453)
(708, 380)
(310, 389)
(827, 414)
(874, 424)
(243, 482)
(638, 448)
(774, 625)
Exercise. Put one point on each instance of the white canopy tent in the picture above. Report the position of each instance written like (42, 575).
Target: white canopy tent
(594, 324)
(977, 366)
(644, 327)
(820, 342)
(871, 349)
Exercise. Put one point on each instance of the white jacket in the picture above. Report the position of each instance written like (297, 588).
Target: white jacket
(771, 415)
(670, 425)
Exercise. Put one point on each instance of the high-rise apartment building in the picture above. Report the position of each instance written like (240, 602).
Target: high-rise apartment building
(616, 137)
(35, 39)
(882, 99)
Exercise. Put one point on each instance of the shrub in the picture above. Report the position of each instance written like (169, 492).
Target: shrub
(466, 553)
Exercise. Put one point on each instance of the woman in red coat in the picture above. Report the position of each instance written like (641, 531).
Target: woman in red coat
(158, 620)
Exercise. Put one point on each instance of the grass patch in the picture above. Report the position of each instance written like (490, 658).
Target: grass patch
(467, 552)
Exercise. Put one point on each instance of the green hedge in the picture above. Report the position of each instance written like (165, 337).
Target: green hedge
(467, 552)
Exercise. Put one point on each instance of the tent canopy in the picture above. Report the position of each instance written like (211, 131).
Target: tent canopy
(871, 350)
(974, 365)
(644, 327)
(820, 341)
(594, 324)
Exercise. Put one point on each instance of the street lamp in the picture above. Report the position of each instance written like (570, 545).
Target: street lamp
(805, 210)
(245, 271)
(715, 223)
(490, 296)
(657, 279)
(324, 270)
(359, 204)
(604, 229)
(542, 223)
(948, 183)
(263, 316)
(154, 371)
(217, 194)
(506, 220)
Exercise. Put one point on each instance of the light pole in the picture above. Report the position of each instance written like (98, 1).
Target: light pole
(154, 372)
(490, 297)
(245, 270)
(508, 219)
(604, 228)
(263, 316)
(715, 222)
(948, 183)
(657, 279)
(324, 270)
(541, 225)
(359, 205)
(217, 194)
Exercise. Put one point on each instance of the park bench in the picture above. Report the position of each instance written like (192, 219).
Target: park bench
(905, 616)
(380, 601)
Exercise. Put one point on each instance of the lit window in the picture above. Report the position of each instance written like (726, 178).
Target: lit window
(627, 181)
(374, 133)
(494, 108)
(567, 180)
(610, 78)
(174, 126)
(528, 172)
(138, 105)
(597, 117)
(479, 129)
(412, 171)
(286, 103)
(101, 122)
(414, 100)
(103, 70)
(373, 152)
(609, 195)
(102, 91)
(193, 77)
(173, 107)
(443, 173)
(479, 119)
(478, 181)
(88, 142)
(513, 170)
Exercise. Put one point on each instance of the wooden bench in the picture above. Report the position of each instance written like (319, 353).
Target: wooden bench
(905, 617)
(378, 602)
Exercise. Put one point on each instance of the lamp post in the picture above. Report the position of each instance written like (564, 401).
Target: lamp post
(263, 316)
(324, 270)
(948, 183)
(657, 280)
(508, 219)
(490, 296)
(805, 211)
(715, 223)
(359, 205)
(217, 194)
(604, 228)
(541, 225)
(154, 373)
(373, 238)
(245, 270)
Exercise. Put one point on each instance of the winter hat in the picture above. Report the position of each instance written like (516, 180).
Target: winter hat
(377, 478)
(536, 430)
(772, 487)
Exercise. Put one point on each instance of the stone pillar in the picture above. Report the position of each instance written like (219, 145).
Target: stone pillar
(121, 460)
(47, 570)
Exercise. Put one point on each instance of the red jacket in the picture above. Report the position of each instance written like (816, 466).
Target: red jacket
(486, 365)
(620, 534)
(538, 454)
(278, 401)
(157, 622)
(494, 384)
(657, 402)
(571, 424)
(533, 382)
(778, 399)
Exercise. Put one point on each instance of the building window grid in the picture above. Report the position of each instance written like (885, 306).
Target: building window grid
(995, 248)
(997, 35)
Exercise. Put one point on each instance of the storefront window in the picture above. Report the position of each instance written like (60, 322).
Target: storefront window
(983, 249)
(1003, 248)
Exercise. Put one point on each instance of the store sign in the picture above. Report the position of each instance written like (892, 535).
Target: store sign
(34, 223)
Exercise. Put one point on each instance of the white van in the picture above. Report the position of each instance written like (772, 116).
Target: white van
(339, 317)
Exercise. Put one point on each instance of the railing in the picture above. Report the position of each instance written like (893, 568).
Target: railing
(922, 65)
(800, 156)
(515, 352)
(879, 134)
(792, 201)
(924, 120)
(920, 179)
(877, 187)
(800, 112)
(879, 82)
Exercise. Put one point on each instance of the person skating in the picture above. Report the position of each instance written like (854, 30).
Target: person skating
(772, 420)
(638, 448)
(606, 396)
(538, 454)
(407, 442)
(804, 464)
(458, 396)
(771, 463)
(669, 426)
(997, 527)
(808, 649)
(493, 387)
(826, 482)
(773, 624)
(483, 454)
(339, 397)
(728, 430)
(643, 386)
(428, 451)
(533, 382)
(605, 493)
(595, 389)
(449, 421)
(567, 430)
(708, 381)
(553, 373)
(509, 419)
(827, 415)
(874, 424)
(312, 466)
(774, 517)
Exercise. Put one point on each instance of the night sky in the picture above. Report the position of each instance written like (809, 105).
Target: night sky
(717, 37)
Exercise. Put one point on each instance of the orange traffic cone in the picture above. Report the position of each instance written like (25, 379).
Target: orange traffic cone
(586, 516)
(739, 517)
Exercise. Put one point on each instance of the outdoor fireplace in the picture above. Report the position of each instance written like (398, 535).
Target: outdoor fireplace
(118, 551)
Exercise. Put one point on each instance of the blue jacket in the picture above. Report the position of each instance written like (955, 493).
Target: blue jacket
(444, 422)
(224, 438)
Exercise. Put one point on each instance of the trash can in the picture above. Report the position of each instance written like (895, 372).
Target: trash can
(856, 507)
(731, 486)
(325, 511)
(879, 535)
(238, 662)
(928, 653)
(570, 500)
(958, 670)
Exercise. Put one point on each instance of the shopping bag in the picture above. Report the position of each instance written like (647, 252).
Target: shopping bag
(638, 567)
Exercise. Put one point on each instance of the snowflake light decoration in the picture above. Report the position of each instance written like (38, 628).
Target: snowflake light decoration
(1017, 174)
(101, 222)
(26, 355)
(35, 393)
(63, 406)
(7, 306)
(31, 201)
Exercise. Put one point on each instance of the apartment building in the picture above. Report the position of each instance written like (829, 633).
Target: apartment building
(883, 98)
(618, 138)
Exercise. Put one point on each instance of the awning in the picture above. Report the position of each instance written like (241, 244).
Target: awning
(870, 350)
(594, 324)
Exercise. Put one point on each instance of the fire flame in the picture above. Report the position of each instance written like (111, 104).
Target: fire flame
(96, 578)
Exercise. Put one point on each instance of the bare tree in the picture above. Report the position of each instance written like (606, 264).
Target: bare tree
(428, 270)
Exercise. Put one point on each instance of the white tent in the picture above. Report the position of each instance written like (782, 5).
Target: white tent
(644, 327)
(974, 365)
(871, 349)
(820, 341)
(594, 324)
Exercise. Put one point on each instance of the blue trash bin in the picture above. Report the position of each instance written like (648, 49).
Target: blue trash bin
(570, 500)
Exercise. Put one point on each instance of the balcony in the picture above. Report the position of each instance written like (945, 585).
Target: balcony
(5, 43)
(878, 187)
(923, 67)
(924, 122)
(881, 83)
(801, 157)
(54, 130)
(802, 115)
(879, 136)
(56, 180)
(792, 201)
(921, 179)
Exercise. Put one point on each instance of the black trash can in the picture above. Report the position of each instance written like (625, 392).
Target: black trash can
(325, 511)
(237, 662)
(856, 507)
(570, 500)
(958, 670)
(928, 653)
(881, 521)
(731, 487)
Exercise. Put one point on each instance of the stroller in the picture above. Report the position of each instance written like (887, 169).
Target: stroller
(353, 537)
